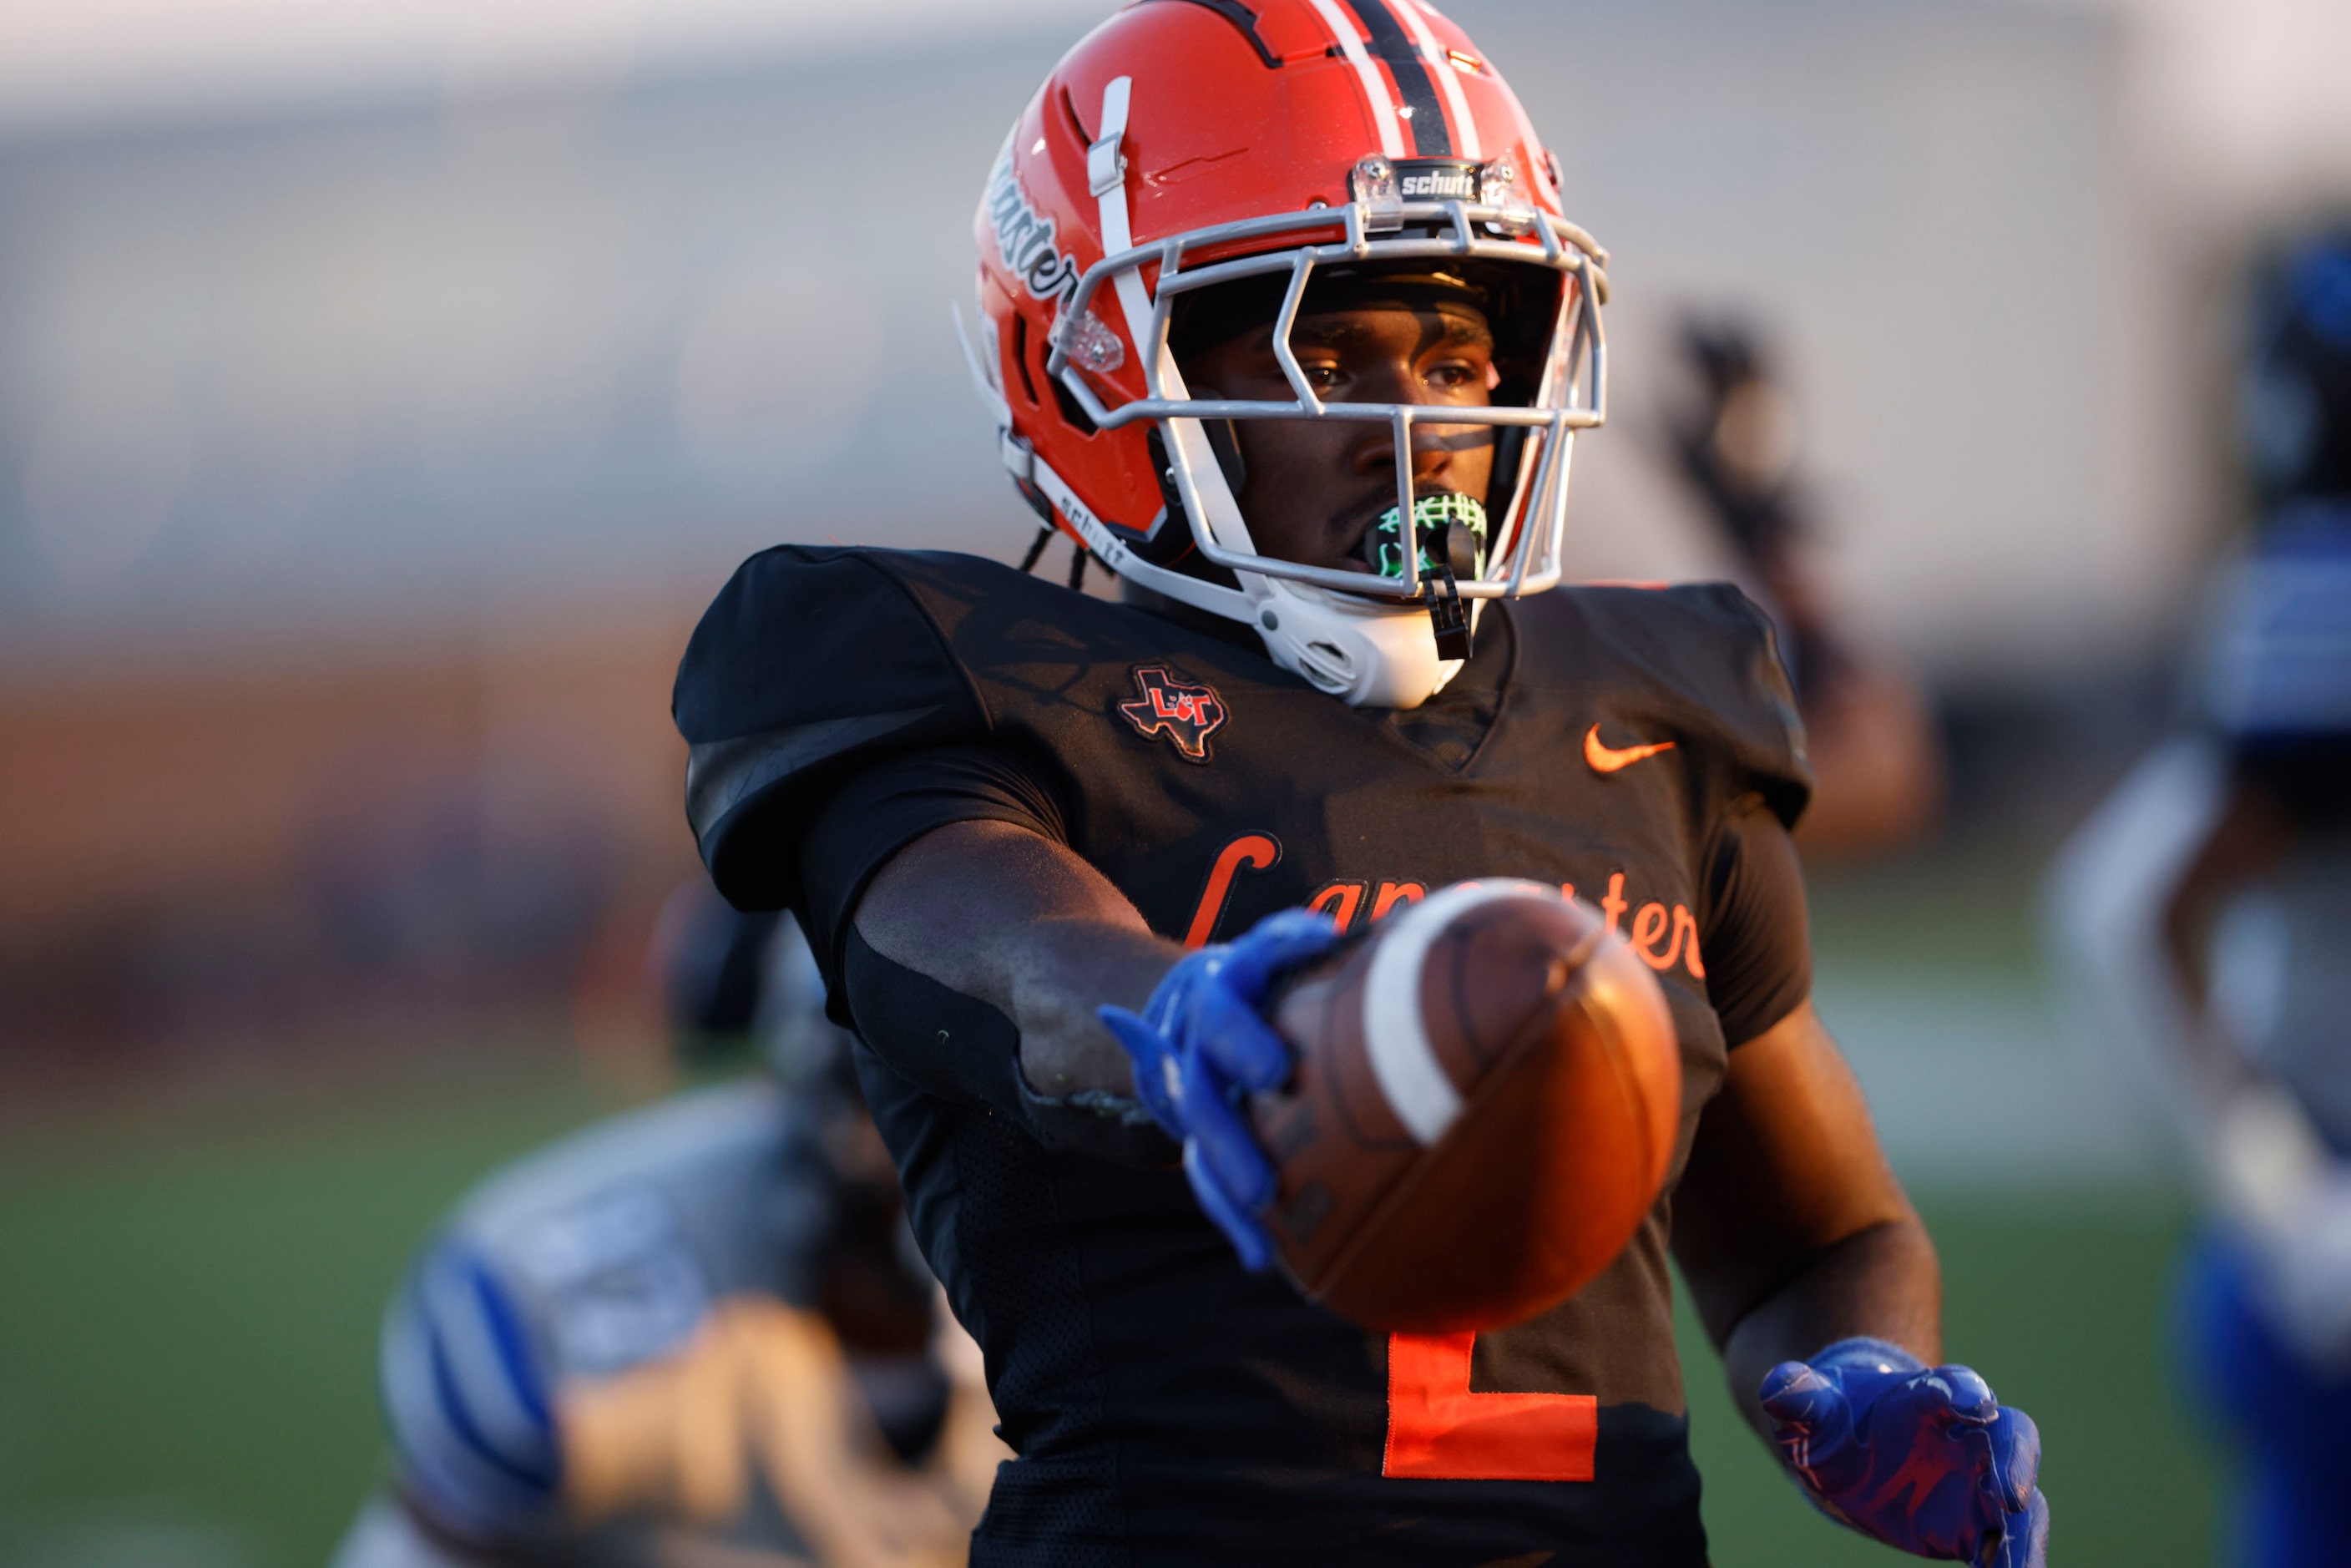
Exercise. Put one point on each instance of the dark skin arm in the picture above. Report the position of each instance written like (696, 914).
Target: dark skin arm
(1020, 922)
(1789, 1225)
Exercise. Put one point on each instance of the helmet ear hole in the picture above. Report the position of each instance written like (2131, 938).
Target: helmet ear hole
(1020, 358)
(1075, 415)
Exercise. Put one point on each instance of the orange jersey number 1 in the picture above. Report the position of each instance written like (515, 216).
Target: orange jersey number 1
(1439, 1430)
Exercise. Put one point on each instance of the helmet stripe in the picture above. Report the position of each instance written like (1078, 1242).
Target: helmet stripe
(1414, 81)
(1375, 90)
(1465, 125)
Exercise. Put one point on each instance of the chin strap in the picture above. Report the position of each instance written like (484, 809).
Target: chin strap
(1449, 620)
(1448, 617)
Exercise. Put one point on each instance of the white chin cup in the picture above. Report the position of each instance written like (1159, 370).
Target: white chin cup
(1368, 652)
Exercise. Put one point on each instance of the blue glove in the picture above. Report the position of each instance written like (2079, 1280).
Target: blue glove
(1923, 1460)
(1201, 1045)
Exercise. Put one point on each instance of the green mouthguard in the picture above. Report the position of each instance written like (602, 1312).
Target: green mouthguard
(1433, 515)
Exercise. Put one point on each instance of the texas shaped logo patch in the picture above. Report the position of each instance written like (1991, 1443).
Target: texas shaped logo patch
(1184, 713)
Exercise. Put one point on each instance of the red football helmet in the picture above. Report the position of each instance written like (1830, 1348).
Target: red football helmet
(1191, 145)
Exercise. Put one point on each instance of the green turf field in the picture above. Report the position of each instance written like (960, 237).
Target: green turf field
(185, 1336)
(187, 1330)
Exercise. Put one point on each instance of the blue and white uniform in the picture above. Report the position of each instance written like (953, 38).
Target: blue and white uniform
(587, 1304)
(2206, 913)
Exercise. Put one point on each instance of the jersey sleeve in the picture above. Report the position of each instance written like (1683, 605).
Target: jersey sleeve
(1756, 933)
(878, 811)
(1699, 661)
(1737, 674)
(808, 665)
(953, 1047)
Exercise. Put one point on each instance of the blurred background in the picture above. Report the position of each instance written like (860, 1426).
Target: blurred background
(384, 389)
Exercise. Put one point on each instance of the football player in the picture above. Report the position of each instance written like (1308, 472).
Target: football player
(2206, 910)
(1282, 323)
(693, 1328)
(1877, 765)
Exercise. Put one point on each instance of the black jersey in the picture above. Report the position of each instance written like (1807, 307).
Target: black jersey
(1634, 746)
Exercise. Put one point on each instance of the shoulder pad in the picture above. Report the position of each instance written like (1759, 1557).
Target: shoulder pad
(1706, 656)
(808, 660)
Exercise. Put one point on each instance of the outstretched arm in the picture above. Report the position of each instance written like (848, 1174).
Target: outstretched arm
(1011, 920)
(1008, 917)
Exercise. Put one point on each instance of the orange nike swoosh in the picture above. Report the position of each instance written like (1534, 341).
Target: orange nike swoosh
(1608, 760)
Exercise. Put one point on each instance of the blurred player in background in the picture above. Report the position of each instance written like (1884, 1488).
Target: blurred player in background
(2206, 910)
(695, 1333)
(1876, 756)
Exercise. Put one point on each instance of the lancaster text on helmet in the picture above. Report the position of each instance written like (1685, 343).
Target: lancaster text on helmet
(1024, 237)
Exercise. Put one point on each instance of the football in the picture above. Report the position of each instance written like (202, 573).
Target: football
(1484, 1107)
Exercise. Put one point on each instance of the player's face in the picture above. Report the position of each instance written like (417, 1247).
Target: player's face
(1314, 488)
